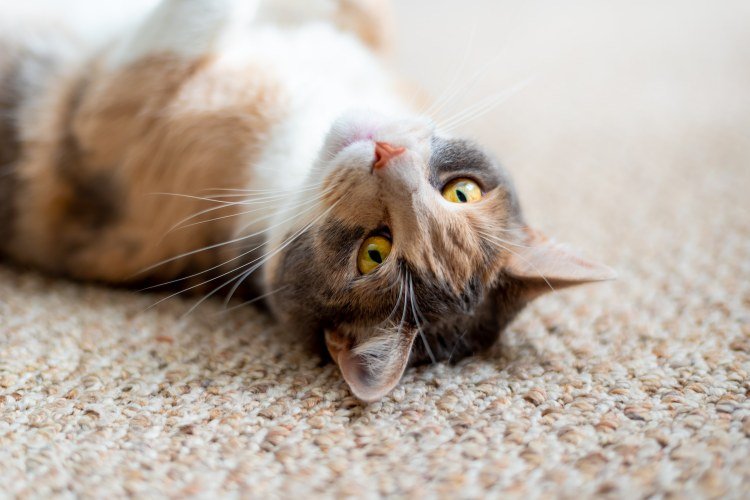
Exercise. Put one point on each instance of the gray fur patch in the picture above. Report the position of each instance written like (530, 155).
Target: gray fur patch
(453, 158)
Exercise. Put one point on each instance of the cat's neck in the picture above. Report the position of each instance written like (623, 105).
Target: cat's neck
(323, 74)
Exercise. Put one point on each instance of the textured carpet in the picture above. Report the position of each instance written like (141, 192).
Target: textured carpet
(631, 141)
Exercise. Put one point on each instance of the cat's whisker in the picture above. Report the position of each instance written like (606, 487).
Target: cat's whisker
(301, 187)
(484, 106)
(218, 245)
(527, 261)
(269, 255)
(255, 300)
(192, 287)
(214, 291)
(487, 66)
(194, 197)
(181, 223)
(417, 315)
(248, 199)
(197, 214)
(398, 300)
(497, 238)
(192, 252)
(218, 266)
(261, 260)
(403, 313)
(206, 297)
(279, 192)
(446, 95)
(258, 209)
(214, 219)
(268, 197)
(308, 201)
(478, 105)
(455, 344)
(463, 89)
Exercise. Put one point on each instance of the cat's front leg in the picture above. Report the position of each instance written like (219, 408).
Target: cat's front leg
(187, 28)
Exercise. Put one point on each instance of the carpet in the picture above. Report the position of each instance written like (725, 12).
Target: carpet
(631, 141)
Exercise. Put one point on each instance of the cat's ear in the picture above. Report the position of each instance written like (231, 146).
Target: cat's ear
(371, 368)
(542, 265)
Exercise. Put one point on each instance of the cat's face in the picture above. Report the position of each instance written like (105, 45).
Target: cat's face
(416, 252)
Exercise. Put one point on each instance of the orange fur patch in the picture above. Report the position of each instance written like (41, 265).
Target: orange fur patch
(161, 125)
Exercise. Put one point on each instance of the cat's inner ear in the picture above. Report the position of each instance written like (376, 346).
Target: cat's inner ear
(542, 264)
(372, 368)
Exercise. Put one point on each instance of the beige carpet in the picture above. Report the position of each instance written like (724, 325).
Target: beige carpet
(631, 141)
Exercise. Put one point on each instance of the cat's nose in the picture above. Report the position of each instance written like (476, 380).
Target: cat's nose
(384, 153)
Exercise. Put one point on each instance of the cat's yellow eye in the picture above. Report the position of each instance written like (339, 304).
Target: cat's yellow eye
(372, 253)
(462, 191)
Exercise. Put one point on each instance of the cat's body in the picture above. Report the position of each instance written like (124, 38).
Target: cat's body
(226, 144)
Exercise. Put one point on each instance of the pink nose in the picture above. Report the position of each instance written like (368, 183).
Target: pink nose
(384, 153)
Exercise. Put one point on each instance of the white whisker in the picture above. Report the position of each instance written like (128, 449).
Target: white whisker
(280, 192)
(527, 261)
(193, 197)
(398, 300)
(448, 93)
(455, 344)
(467, 86)
(161, 285)
(218, 245)
(268, 256)
(255, 299)
(417, 315)
(497, 238)
(484, 106)
(223, 205)
(259, 209)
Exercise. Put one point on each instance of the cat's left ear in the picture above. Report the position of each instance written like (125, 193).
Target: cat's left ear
(542, 264)
(371, 368)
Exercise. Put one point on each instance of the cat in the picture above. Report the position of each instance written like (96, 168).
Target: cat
(263, 148)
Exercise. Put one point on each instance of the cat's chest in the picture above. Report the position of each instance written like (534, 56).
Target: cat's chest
(321, 74)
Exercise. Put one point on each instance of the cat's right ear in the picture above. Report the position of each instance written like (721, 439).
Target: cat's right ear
(543, 265)
(374, 367)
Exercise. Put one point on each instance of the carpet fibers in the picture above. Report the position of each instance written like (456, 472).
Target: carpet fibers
(633, 143)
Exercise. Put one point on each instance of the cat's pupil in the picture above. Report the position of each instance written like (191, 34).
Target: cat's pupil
(375, 256)
(461, 196)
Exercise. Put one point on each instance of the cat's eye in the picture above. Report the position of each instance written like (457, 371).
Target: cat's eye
(372, 253)
(462, 191)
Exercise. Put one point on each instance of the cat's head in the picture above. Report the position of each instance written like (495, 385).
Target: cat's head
(416, 250)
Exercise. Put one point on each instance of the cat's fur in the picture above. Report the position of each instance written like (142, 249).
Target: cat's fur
(285, 103)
